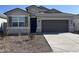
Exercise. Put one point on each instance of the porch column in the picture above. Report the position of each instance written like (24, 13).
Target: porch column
(28, 30)
(39, 26)
(71, 27)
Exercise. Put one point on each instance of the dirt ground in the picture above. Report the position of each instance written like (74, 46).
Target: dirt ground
(21, 44)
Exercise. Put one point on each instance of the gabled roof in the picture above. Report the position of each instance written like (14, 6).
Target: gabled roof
(31, 6)
(42, 7)
(39, 7)
(53, 11)
(13, 10)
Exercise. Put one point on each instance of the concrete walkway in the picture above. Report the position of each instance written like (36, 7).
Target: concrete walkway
(63, 42)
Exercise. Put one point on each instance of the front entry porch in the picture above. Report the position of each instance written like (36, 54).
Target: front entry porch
(33, 25)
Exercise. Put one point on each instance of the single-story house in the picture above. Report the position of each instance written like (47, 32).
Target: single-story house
(38, 19)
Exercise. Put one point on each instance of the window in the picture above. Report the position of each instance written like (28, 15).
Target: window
(14, 21)
(21, 24)
(21, 21)
(14, 24)
(18, 21)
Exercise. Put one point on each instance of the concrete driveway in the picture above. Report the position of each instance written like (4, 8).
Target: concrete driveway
(63, 42)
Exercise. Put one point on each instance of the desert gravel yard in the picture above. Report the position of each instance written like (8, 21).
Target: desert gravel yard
(20, 44)
(63, 42)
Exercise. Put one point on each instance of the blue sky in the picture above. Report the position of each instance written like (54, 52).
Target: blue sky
(64, 8)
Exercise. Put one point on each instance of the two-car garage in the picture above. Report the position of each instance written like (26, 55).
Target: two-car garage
(55, 22)
(49, 26)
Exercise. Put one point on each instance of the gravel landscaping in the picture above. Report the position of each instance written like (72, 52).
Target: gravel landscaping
(21, 44)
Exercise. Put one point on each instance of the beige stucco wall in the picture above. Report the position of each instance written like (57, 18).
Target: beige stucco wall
(76, 22)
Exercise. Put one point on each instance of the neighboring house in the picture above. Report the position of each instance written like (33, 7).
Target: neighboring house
(38, 19)
(3, 20)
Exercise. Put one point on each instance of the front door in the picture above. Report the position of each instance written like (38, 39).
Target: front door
(33, 25)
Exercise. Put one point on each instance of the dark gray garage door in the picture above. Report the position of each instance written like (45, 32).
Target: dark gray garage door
(49, 26)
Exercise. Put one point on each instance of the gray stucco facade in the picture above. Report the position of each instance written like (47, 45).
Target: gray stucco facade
(45, 20)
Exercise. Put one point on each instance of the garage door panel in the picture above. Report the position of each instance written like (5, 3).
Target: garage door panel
(54, 26)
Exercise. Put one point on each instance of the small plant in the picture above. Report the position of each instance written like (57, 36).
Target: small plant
(31, 37)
